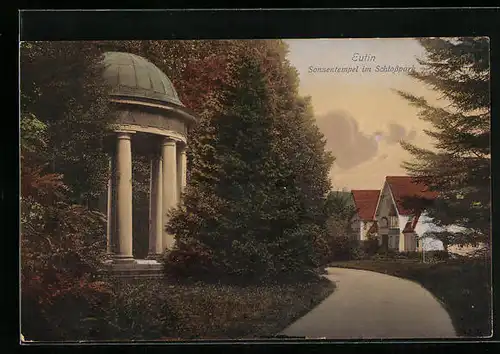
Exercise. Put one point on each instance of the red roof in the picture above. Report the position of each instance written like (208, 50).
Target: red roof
(365, 202)
(403, 187)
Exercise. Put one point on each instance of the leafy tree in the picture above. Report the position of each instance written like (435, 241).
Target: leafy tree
(61, 247)
(64, 116)
(339, 204)
(459, 166)
(62, 86)
(264, 179)
(339, 210)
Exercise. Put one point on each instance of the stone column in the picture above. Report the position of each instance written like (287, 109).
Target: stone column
(169, 190)
(110, 204)
(124, 197)
(181, 168)
(155, 208)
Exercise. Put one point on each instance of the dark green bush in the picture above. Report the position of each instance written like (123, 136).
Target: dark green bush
(437, 255)
(305, 249)
(139, 311)
(357, 251)
(298, 251)
(370, 247)
(344, 248)
(322, 249)
(410, 255)
(188, 262)
(385, 254)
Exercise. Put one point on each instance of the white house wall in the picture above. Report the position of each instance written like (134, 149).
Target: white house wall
(384, 205)
(360, 228)
(356, 226)
(402, 220)
(425, 224)
(383, 208)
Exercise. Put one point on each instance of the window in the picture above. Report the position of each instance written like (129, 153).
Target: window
(393, 222)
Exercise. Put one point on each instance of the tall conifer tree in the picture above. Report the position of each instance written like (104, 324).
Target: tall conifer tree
(459, 166)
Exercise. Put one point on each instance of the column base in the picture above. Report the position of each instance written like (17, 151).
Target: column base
(137, 268)
(122, 259)
(154, 256)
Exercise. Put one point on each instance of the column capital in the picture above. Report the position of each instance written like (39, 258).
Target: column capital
(168, 141)
(182, 145)
(125, 135)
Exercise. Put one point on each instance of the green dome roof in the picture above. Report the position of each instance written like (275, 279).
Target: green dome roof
(134, 76)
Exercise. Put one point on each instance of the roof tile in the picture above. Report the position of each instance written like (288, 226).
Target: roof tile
(365, 202)
(404, 187)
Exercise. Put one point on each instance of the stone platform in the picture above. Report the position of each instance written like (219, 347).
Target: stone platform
(134, 268)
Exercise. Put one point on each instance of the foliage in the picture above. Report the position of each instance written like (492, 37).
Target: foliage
(459, 166)
(139, 310)
(412, 254)
(65, 117)
(61, 249)
(370, 246)
(345, 248)
(155, 309)
(338, 211)
(61, 84)
(62, 243)
(249, 205)
(436, 256)
(340, 203)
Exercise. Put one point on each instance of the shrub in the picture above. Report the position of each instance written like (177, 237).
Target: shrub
(345, 248)
(370, 247)
(357, 251)
(138, 310)
(322, 249)
(438, 255)
(69, 310)
(188, 261)
(62, 247)
(298, 250)
(385, 254)
(409, 255)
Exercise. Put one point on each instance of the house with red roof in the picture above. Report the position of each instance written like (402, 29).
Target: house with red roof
(365, 202)
(399, 222)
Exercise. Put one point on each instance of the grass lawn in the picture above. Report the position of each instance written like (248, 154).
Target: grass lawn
(462, 285)
(159, 309)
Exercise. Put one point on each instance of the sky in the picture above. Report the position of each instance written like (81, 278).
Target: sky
(362, 117)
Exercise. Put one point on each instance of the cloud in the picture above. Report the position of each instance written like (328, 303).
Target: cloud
(352, 147)
(397, 132)
(348, 144)
(411, 135)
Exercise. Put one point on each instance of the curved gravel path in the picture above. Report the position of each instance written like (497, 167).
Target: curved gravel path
(369, 305)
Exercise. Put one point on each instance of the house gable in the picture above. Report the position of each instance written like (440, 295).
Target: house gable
(403, 187)
(365, 202)
(385, 203)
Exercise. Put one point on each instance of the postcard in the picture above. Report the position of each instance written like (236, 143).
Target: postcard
(277, 189)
